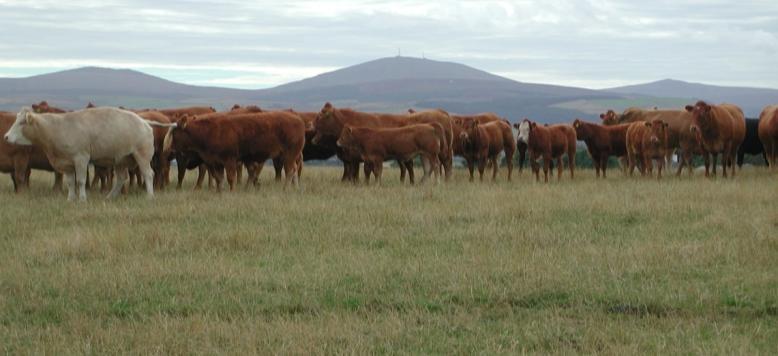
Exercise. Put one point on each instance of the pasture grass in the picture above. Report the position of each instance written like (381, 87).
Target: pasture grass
(621, 266)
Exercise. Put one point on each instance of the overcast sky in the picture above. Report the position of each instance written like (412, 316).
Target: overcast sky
(258, 44)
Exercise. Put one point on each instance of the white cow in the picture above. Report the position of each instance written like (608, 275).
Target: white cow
(106, 136)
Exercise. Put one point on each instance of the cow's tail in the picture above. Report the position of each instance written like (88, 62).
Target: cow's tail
(159, 124)
(167, 144)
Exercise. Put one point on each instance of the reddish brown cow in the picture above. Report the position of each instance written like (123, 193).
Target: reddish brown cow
(483, 118)
(175, 114)
(679, 136)
(330, 121)
(768, 134)
(647, 141)
(248, 138)
(44, 107)
(484, 142)
(160, 166)
(18, 160)
(602, 142)
(375, 145)
(548, 142)
(719, 129)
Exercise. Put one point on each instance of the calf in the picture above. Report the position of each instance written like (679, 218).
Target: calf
(647, 141)
(602, 142)
(768, 134)
(719, 129)
(483, 143)
(106, 136)
(375, 145)
(549, 143)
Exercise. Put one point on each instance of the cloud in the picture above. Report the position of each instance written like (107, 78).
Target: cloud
(594, 43)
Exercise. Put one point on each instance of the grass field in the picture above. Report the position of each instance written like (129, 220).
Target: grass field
(620, 266)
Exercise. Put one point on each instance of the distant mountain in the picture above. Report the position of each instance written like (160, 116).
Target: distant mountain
(752, 100)
(386, 85)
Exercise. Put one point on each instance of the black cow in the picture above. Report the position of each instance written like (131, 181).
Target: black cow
(751, 144)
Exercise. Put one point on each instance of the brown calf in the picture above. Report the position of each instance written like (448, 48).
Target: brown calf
(375, 145)
(647, 141)
(548, 142)
(602, 142)
(483, 143)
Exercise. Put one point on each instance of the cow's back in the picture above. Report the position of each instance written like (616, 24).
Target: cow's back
(104, 133)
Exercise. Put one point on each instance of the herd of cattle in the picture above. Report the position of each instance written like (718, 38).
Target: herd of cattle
(140, 144)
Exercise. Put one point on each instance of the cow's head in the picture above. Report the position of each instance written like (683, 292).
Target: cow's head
(657, 132)
(524, 130)
(609, 118)
(469, 129)
(326, 123)
(24, 127)
(235, 107)
(581, 129)
(346, 138)
(177, 138)
(701, 116)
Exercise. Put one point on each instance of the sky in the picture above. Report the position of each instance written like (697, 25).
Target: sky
(260, 44)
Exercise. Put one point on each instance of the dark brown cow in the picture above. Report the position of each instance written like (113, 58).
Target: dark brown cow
(647, 141)
(484, 142)
(160, 166)
(548, 142)
(602, 142)
(375, 145)
(768, 134)
(43, 107)
(248, 138)
(719, 129)
(18, 160)
(330, 121)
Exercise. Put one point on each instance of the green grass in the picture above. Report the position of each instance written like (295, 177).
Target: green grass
(620, 266)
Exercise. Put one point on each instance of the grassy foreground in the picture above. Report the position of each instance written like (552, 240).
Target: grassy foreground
(621, 266)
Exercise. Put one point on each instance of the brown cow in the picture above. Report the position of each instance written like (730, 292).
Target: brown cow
(19, 160)
(330, 121)
(679, 136)
(484, 142)
(548, 142)
(719, 129)
(160, 166)
(647, 141)
(768, 134)
(44, 108)
(602, 142)
(176, 113)
(248, 138)
(483, 118)
(375, 145)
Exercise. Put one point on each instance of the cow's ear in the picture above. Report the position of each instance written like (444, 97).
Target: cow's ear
(602, 116)
(648, 124)
(689, 108)
(576, 124)
(29, 118)
(516, 126)
(533, 125)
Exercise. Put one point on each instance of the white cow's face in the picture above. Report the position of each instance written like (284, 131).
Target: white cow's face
(15, 134)
(524, 131)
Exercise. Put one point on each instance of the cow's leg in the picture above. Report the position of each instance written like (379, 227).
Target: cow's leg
(378, 167)
(571, 164)
(535, 167)
(509, 163)
(426, 167)
(714, 159)
(231, 167)
(121, 173)
(143, 160)
(201, 171)
(290, 170)
(181, 164)
(71, 182)
(368, 168)
(495, 167)
(21, 180)
(631, 160)
(482, 159)
(560, 168)
(402, 171)
(81, 166)
(239, 173)
(681, 162)
(409, 168)
(278, 165)
(471, 168)
(546, 167)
